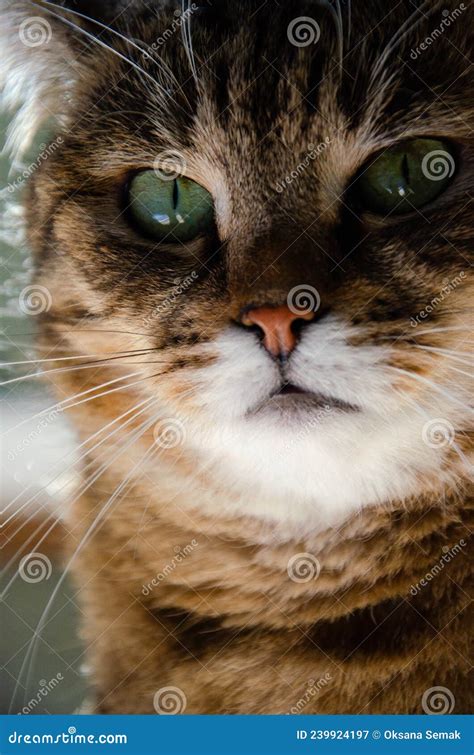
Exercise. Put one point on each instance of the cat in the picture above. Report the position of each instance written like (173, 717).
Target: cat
(254, 247)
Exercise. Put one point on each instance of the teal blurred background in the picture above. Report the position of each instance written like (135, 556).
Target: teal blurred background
(48, 676)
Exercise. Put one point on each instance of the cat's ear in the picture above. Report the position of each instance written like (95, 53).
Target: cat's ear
(38, 68)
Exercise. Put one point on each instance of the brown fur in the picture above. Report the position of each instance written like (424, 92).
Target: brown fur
(237, 636)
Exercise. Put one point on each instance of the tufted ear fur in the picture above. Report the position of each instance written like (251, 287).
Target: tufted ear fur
(36, 71)
(38, 63)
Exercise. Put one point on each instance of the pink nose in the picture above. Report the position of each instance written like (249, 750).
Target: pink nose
(277, 326)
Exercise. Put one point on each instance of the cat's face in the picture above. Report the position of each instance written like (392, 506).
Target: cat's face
(303, 318)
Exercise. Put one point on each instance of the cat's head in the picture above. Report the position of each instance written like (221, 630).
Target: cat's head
(274, 199)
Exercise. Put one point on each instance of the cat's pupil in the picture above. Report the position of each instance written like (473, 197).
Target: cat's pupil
(405, 169)
(175, 194)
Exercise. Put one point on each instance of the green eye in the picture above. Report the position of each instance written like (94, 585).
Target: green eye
(171, 209)
(407, 176)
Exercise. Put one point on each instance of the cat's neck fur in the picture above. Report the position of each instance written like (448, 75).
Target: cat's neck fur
(208, 596)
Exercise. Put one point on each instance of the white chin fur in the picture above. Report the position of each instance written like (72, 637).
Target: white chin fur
(310, 470)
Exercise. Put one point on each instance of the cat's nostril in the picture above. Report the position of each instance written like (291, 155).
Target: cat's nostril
(298, 325)
(279, 327)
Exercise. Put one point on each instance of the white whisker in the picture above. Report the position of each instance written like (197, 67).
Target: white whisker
(454, 355)
(60, 405)
(88, 451)
(426, 415)
(99, 357)
(187, 39)
(430, 383)
(100, 43)
(87, 484)
(165, 69)
(405, 28)
(446, 329)
(461, 372)
(101, 362)
(31, 651)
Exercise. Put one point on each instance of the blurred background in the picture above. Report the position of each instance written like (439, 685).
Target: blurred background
(42, 668)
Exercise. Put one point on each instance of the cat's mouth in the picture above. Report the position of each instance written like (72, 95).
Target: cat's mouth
(293, 398)
(289, 390)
